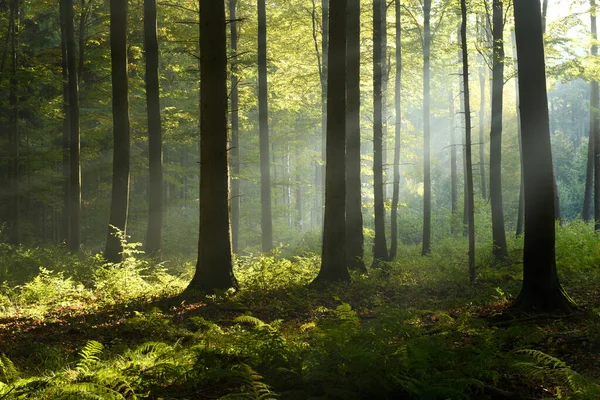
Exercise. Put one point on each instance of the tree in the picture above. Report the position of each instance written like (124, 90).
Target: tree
(354, 220)
(482, 83)
(594, 124)
(453, 164)
(541, 289)
(333, 264)
(66, 171)
(120, 105)
(214, 269)
(521, 208)
(397, 133)
(235, 122)
(380, 247)
(14, 214)
(426, 127)
(263, 117)
(470, 198)
(498, 233)
(155, 151)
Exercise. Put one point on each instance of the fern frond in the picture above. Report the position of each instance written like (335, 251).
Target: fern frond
(89, 356)
(8, 371)
(249, 319)
(544, 359)
(88, 391)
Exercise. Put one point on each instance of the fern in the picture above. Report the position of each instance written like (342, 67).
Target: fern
(89, 356)
(8, 372)
(249, 319)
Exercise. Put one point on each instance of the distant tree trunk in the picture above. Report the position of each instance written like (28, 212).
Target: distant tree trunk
(14, 213)
(263, 117)
(155, 150)
(354, 220)
(521, 209)
(64, 225)
(482, 85)
(544, 14)
(384, 100)
(499, 235)
(453, 158)
(214, 269)
(541, 289)
(594, 125)
(74, 135)
(235, 122)
(333, 265)
(380, 247)
(469, 164)
(397, 133)
(427, 127)
(464, 147)
(82, 39)
(120, 105)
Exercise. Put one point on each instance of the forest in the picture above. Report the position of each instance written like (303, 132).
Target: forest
(299, 199)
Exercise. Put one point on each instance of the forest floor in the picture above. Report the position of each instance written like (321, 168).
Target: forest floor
(418, 331)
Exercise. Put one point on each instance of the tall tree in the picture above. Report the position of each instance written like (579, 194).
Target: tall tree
(397, 132)
(541, 289)
(380, 247)
(263, 117)
(155, 151)
(426, 127)
(354, 219)
(333, 264)
(14, 214)
(120, 106)
(74, 240)
(64, 227)
(498, 233)
(521, 207)
(214, 269)
(482, 84)
(453, 158)
(235, 122)
(470, 201)
(594, 123)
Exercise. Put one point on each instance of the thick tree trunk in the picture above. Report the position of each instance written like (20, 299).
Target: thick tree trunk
(397, 133)
(469, 164)
(333, 264)
(235, 123)
(14, 214)
(594, 124)
(214, 269)
(263, 117)
(354, 219)
(64, 225)
(155, 150)
(498, 233)
(426, 127)
(120, 104)
(380, 247)
(541, 290)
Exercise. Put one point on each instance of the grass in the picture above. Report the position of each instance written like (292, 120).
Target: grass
(73, 327)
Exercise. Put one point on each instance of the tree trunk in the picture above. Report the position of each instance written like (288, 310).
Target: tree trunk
(120, 106)
(594, 125)
(521, 209)
(498, 233)
(263, 116)
(82, 39)
(397, 133)
(155, 150)
(333, 264)
(426, 127)
(541, 289)
(235, 123)
(469, 164)
(482, 85)
(354, 220)
(214, 269)
(453, 158)
(380, 247)
(464, 148)
(64, 225)
(14, 226)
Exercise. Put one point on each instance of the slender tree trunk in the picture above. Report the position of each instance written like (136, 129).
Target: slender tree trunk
(155, 150)
(482, 85)
(333, 265)
(263, 116)
(384, 100)
(498, 233)
(354, 219)
(120, 87)
(521, 209)
(235, 122)
(397, 132)
(380, 247)
(463, 113)
(14, 214)
(427, 127)
(453, 158)
(469, 164)
(324, 84)
(66, 171)
(541, 289)
(214, 269)
(594, 124)
(82, 39)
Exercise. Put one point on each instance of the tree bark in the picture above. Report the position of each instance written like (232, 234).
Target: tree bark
(482, 85)
(469, 164)
(155, 150)
(521, 208)
(354, 220)
(235, 122)
(380, 247)
(263, 117)
(453, 158)
(498, 232)
(541, 289)
(397, 132)
(594, 125)
(426, 127)
(64, 224)
(333, 264)
(214, 269)
(14, 215)
(121, 136)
